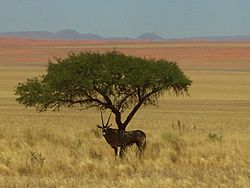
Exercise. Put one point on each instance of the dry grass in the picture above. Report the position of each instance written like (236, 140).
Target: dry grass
(208, 148)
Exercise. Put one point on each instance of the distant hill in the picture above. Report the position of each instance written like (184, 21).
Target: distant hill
(149, 36)
(66, 34)
(30, 34)
(69, 34)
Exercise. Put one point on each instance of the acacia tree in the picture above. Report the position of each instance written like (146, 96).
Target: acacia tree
(109, 80)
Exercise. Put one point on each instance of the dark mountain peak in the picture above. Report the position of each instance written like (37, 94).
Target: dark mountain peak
(70, 31)
(91, 36)
(67, 34)
(150, 36)
(70, 34)
(67, 31)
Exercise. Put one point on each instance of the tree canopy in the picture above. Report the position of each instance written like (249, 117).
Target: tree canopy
(109, 80)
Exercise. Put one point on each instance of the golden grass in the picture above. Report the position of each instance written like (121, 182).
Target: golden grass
(209, 148)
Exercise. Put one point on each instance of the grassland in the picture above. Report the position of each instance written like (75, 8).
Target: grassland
(209, 148)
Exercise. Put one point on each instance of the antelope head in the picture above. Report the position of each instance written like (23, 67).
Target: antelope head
(106, 126)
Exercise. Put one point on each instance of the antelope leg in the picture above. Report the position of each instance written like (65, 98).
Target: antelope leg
(116, 151)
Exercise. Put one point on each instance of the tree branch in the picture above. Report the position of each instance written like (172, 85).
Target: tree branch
(110, 106)
(120, 103)
(137, 106)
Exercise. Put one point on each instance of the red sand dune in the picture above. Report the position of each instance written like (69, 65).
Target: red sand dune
(188, 54)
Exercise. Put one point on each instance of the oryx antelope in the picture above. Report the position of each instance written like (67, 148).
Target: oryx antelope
(119, 138)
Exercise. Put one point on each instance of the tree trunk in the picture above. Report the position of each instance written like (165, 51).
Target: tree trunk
(118, 119)
(120, 125)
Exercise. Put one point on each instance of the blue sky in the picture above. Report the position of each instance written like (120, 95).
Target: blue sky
(168, 18)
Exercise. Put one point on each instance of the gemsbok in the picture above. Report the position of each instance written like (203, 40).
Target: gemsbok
(119, 138)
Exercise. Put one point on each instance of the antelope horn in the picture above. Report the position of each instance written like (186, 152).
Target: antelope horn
(108, 118)
(102, 119)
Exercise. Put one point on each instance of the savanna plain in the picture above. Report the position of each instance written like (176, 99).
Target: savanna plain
(201, 140)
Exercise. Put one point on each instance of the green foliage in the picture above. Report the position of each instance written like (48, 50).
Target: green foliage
(107, 81)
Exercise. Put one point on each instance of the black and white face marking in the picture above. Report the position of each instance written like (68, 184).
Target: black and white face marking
(104, 131)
